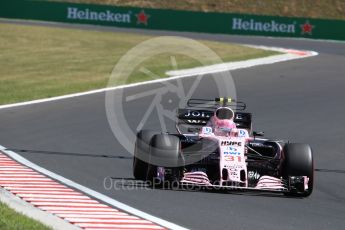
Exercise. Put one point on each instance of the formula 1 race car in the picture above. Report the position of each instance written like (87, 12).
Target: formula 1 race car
(217, 157)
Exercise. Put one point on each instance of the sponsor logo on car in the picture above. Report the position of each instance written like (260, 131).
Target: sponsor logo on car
(230, 148)
(195, 113)
(233, 173)
(253, 175)
(196, 122)
(226, 143)
(234, 167)
(206, 130)
(238, 116)
(232, 153)
(242, 133)
(256, 144)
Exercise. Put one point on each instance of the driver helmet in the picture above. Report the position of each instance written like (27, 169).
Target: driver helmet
(224, 118)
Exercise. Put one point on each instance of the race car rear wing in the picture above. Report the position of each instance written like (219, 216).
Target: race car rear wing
(199, 111)
(196, 117)
(218, 101)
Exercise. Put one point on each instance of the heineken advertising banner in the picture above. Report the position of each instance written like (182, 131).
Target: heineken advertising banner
(173, 20)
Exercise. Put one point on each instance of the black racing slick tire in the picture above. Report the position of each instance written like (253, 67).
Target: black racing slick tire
(141, 154)
(299, 162)
(164, 151)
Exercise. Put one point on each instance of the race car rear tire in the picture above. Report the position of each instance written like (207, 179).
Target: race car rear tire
(141, 154)
(164, 151)
(299, 162)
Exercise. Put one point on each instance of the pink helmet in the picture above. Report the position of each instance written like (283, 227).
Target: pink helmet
(224, 117)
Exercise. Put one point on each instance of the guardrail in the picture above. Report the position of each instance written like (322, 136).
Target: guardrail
(173, 20)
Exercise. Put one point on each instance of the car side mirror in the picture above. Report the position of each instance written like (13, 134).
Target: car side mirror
(258, 134)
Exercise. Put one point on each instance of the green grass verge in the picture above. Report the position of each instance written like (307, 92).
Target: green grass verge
(41, 62)
(11, 220)
(333, 9)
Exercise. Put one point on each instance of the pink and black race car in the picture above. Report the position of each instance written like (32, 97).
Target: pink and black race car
(202, 154)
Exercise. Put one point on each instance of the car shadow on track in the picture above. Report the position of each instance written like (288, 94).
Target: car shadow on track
(30, 151)
(330, 170)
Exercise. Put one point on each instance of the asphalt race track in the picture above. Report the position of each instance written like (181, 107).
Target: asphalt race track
(301, 100)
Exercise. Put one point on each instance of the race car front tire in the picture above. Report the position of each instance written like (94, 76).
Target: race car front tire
(141, 154)
(164, 151)
(298, 161)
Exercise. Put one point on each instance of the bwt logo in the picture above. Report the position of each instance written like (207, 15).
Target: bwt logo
(238, 143)
(230, 148)
(232, 153)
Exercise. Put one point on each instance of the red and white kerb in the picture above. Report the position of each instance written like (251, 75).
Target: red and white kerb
(64, 202)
